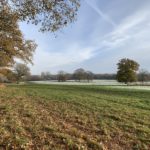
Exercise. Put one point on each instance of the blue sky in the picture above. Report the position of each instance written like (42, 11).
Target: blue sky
(105, 32)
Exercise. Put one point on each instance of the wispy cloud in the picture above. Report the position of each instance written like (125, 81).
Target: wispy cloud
(56, 59)
(131, 28)
(91, 39)
(101, 13)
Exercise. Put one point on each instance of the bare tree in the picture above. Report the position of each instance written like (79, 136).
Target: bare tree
(62, 76)
(80, 74)
(89, 76)
(45, 75)
(143, 76)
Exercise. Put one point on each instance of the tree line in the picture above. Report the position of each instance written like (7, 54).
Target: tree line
(128, 72)
(79, 75)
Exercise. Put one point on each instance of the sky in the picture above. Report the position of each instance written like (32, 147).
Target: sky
(104, 33)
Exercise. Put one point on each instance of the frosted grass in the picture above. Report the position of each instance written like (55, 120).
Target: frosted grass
(72, 82)
(109, 83)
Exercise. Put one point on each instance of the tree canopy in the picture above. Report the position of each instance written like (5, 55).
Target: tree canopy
(51, 15)
(127, 70)
(12, 43)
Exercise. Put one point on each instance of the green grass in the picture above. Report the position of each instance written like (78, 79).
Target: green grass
(71, 117)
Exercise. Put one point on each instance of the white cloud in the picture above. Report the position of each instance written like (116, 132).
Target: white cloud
(47, 60)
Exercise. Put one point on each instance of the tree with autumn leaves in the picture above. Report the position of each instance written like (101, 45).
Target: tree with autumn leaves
(12, 43)
(49, 15)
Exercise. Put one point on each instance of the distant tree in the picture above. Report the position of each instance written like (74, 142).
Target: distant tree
(143, 75)
(46, 75)
(43, 75)
(105, 76)
(127, 70)
(62, 76)
(34, 78)
(89, 76)
(21, 71)
(80, 74)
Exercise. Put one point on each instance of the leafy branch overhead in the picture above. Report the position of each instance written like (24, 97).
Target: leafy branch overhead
(51, 15)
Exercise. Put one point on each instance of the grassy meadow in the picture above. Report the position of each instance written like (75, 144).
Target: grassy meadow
(74, 117)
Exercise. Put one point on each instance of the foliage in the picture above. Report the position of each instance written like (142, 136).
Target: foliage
(127, 70)
(74, 117)
(12, 43)
(8, 74)
(50, 15)
(21, 71)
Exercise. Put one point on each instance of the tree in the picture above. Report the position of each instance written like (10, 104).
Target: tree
(50, 15)
(21, 71)
(62, 76)
(12, 43)
(46, 75)
(89, 76)
(143, 75)
(127, 70)
(80, 74)
(8, 74)
(34, 78)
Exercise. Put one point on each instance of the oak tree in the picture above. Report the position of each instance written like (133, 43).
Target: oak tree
(50, 15)
(127, 70)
